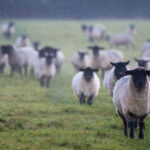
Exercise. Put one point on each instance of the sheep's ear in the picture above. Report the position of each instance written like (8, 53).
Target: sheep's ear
(147, 72)
(129, 72)
(95, 70)
(127, 62)
(136, 59)
(113, 64)
(81, 69)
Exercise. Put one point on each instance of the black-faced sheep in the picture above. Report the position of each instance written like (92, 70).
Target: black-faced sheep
(86, 84)
(23, 41)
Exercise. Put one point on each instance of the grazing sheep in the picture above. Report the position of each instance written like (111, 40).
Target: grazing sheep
(44, 67)
(17, 58)
(86, 84)
(8, 29)
(36, 45)
(146, 46)
(94, 32)
(143, 62)
(80, 60)
(101, 59)
(112, 76)
(23, 41)
(126, 38)
(131, 98)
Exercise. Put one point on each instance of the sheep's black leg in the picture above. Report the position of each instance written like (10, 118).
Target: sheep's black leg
(131, 126)
(48, 82)
(141, 127)
(32, 72)
(103, 73)
(124, 123)
(82, 99)
(12, 71)
(25, 70)
(2, 66)
(42, 81)
(20, 71)
(90, 100)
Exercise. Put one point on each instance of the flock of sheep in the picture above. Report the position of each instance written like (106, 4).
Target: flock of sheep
(129, 88)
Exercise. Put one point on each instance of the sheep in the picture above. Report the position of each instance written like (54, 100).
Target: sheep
(17, 58)
(113, 75)
(94, 32)
(101, 59)
(8, 29)
(143, 62)
(126, 38)
(3, 62)
(36, 45)
(146, 46)
(131, 98)
(86, 84)
(44, 67)
(80, 60)
(23, 41)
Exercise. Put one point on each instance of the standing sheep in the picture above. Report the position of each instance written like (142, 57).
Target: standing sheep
(126, 38)
(80, 60)
(17, 58)
(23, 41)
(143, 62)
(101, 59)
(112, 76)
(86, 84)
(131, 98)
(8, 29)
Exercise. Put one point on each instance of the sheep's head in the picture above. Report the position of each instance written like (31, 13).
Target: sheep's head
(138, 77)
(141, 62)
(84, 27)
(120, 68)
(95, 49)
(36, 45)
(82, 54)
(24, 36)
(11, 24)
(88, 73)
(6, 49)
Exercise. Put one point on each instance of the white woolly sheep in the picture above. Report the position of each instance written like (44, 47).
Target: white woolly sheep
(126, 38)
(80, 60)
(131, 98)
(113, 75)
(8, 29)
(23, 41)
(146, 46)
(101, 59)
(94, 32)
(17, 58)
(86, 84)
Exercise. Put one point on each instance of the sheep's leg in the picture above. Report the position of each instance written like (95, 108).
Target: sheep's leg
(12, 71)
(103, 73)
(20, 71)
(82, 99)
(124, 123)
(25, 70)
(48, 82)
(90, 100)
(131, 126)
(42, 81)
(141, 127)
(32, 72)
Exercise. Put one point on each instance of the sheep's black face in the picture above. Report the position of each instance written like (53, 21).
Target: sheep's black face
(132, 26)
(139, 77)
(82, 55)
(36, 45)
(141, 62)
(120, 69)
(6, 49)
(84, 27)
(24, 36)
(95, 49)
(90, 28)
(11, 24)
(88, 73)
(49, 60)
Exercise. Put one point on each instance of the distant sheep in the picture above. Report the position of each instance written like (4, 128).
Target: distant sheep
(143, 62)
(126, 38)
(80, 60)
(8, 29)
(86, 84)
(94, 32)
(131, 98)
(23, 41)
(112, 76)
(17, 58)
(101, 59)
(36, 45)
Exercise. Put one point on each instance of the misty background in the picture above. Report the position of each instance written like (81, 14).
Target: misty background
(75, 9)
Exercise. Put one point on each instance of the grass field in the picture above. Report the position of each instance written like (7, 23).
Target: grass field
(36, 118)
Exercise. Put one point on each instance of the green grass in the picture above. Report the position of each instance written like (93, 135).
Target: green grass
(36, 118)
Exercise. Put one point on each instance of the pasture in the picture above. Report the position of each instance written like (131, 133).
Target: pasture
(37, 118)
